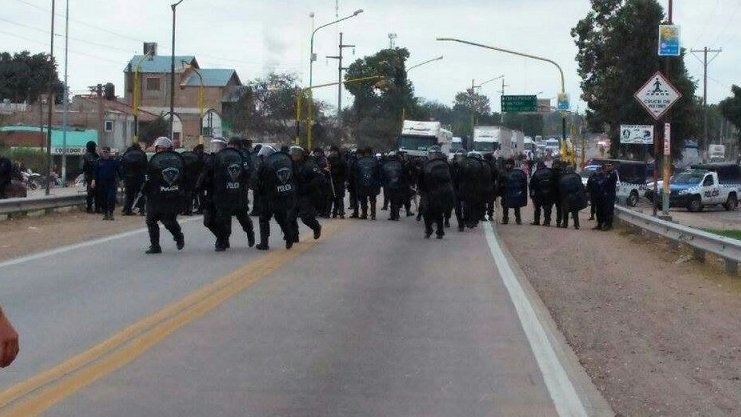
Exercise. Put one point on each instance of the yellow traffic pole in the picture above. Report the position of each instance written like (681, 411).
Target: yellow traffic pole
(298, 117)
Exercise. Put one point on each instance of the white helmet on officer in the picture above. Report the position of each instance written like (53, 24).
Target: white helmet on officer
(163, 143)
(217, 144)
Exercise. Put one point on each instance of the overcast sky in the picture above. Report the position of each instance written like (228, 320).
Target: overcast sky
(257, 36)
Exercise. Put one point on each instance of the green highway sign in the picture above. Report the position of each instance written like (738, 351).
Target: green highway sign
(512, 104)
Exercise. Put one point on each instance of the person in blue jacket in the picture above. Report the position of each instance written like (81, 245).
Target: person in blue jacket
(106, 175)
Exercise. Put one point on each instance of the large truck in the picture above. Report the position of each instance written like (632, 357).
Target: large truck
(417, 137)
(489, 139)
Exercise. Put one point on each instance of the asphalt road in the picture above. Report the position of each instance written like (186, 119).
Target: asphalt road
(371, 320)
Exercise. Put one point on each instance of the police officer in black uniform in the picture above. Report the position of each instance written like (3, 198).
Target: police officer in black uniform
(436, 186)
(472, 189)
(134, 165)
(276, 189)
(338, 172)
(573, 196)
(6, 175)
(89, 162)
(395, 183)
(309, 182)
(224, 180)
(513, 188)
(367, 178)
(164, 194)
(543, 191)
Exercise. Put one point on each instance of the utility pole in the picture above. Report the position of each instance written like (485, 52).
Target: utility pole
(392, 40)
(50, 99)
(65, 118)
(340, 68)
(705, 63)
(502, 93)
(98, 90)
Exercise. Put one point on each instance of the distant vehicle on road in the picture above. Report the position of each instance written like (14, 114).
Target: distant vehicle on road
(457, 144)
(698, 188)
(488, 139)
(417, 137)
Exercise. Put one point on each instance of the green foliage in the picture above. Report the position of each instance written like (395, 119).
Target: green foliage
(531, 124)
(731, 108)
(617, 43)
(472, 102)
(266, 107)
(24, 77)
(150, 131)
(375, 118)
(33, 158)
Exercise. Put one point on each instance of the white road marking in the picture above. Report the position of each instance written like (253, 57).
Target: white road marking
(68, 248)
(562, 391)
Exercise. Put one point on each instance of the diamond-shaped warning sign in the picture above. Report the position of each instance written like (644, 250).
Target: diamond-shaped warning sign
(658, 95)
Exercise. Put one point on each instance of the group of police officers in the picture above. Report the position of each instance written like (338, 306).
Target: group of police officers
(289, 185)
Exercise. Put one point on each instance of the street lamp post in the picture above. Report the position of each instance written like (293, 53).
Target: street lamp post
(563, 82)
(172, 73)
(312, 58)
(404, 109)
(473, 95)
(50, 100)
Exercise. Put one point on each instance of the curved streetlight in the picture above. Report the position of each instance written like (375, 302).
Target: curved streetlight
(312, 58)
(563, 82)
(473, 92)
(424, 63)
(404, 109)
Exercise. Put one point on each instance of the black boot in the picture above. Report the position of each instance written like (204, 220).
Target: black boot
(153, 250)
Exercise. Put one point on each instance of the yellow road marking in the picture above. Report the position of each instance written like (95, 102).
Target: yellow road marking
(38, 393)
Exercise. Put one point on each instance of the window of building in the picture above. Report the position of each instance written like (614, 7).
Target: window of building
(108, 126)
(153, 84)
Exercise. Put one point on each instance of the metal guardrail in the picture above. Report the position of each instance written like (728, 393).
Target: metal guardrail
(15, 206)
(701, 241)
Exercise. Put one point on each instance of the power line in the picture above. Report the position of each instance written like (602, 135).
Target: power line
(705, 62)
(71, 51)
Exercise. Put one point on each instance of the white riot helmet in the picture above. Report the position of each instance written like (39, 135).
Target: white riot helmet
(217, 144)
(266, 151)
(163, 142)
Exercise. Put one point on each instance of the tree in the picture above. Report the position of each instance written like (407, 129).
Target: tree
(617, 53)
(530, 124)
(25, 77)
(731, 109)
(375, 118)
(154, 129)
(473, 102)
(266, 107)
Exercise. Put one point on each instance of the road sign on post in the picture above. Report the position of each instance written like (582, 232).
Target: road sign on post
(563, 102)
(518, 104)
(669, 40)
(658, 95)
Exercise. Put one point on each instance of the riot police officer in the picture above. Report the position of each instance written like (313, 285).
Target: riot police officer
(134, 165)
(338, 172)
(164, 193)
(395, 184)
(513, 188)
(367, 177)
(89, 161)
(309, 182)
(224, 179)
(543, 191)
(473, 186)
(573, 196)
(456, 175)
(276, 189)
(436, 185)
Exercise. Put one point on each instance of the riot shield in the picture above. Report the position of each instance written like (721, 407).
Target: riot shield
(392, 173)
(166, 174)
(228, 165)
(134, 162)
(279, 168)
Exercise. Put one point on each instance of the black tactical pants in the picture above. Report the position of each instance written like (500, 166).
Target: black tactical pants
(574, 215)
(283, 216)
(108, 193)
(131, 189)
(437, 218)
(307, 213)
(559, 213)
(608, 210)
(489, 210)
(546, 207)
(169, 220)
(505, 214)
(364, 201)
(473, 210)
(459, 213)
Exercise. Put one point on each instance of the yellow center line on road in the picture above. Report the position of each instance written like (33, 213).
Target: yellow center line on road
(40, 392)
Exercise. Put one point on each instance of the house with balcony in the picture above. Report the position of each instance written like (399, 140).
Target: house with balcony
(199, 93)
